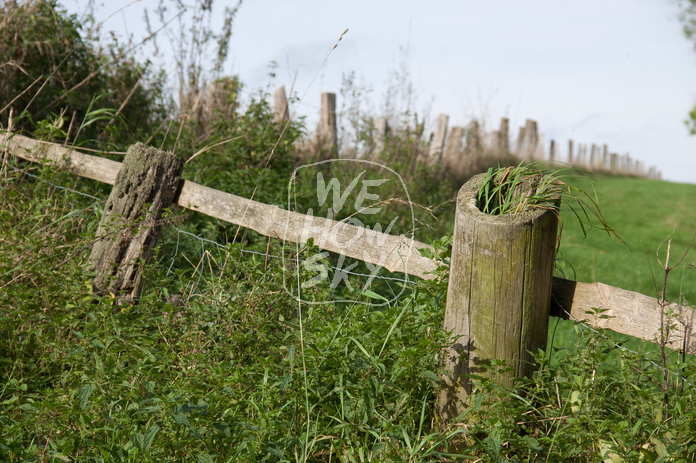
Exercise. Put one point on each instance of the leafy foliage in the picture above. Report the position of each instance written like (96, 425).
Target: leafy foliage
(219, 363)
(50, 71)
(688, 19)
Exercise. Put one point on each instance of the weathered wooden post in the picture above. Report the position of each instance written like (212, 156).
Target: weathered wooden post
(452, 159)
(605, 157)
(379, 137)
(581, 160)
(146, 184)
(504, 136)
(499, 294)
(552, 151)
(593, 157)
(280, 105)
(327, 131)
(527, 140)
(473, 149)
(613, 163)
(437, 139)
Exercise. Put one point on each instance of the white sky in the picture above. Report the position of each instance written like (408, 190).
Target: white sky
(597, 71)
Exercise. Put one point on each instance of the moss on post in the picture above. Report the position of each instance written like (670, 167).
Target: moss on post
(145, 185)
(499, 294)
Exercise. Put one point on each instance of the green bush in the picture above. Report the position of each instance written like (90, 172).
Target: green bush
(51, 71)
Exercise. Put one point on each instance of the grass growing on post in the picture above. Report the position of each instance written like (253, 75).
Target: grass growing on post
(514, 189)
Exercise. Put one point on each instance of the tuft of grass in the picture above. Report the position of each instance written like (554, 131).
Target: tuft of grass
(514, 189)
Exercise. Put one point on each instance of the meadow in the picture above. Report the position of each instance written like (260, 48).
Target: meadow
(217, 362)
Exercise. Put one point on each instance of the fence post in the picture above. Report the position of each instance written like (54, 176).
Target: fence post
(613, 164)
(552, 151)
(504, 136)
(437, 140)
(605, 157)
(594, 157)
(474, 147)
(452, 159)
(280, 105)
(499, 294)
(327, 132)
(379, 135)
(527, 140)
(146, 184)
(570, 152)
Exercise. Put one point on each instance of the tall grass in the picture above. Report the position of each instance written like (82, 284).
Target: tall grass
(218, 364)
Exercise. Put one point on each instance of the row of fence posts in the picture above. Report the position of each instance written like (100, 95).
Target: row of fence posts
(457, 148)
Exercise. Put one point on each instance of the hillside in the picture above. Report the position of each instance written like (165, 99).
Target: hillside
(643, 213)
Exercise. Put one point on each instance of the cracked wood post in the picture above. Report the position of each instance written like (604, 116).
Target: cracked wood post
(146, 184)
(499, 294)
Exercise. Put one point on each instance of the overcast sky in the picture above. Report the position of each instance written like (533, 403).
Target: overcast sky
(596, 71)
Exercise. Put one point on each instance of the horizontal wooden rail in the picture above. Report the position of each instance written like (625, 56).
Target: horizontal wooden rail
(395, 253)
(623, 311)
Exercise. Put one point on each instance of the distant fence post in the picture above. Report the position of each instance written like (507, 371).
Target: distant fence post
(452, 159)
(437, 141)
(613, 164)
(327, 131)
(474, 148)
(502, 141)
(570, 152)
(280, 105)
(527, 140)
(605, 157)
(593, 157)
(146, 184)
(379, 136)
(499, 294)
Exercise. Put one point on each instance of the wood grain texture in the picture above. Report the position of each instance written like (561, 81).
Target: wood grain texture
(395, 253)
(128, 229)
(623, 311)
(94, 167)
(498, 296)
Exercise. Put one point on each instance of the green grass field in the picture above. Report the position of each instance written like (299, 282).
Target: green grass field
(643, 213)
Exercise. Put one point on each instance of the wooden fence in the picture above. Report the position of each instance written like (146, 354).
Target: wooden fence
(457, 147)
(621, 310)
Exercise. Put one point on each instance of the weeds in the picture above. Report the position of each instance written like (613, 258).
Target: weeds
(219, 363)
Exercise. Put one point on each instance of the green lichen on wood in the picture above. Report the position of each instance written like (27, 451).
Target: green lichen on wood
(145, 185)
(499, 293)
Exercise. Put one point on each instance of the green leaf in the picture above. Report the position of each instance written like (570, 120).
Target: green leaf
(427, 374)
(660, 447)
(149, 436)
(138, 440)
(84, 394)
(205, 458)
(373, 295)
